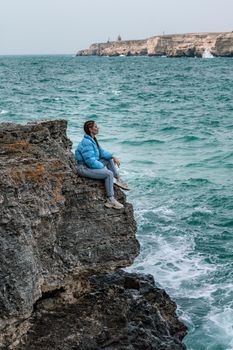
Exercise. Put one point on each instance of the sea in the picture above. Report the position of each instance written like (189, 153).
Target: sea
(170, 121)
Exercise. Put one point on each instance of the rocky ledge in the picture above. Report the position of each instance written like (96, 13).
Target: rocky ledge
(175, 45)
(61, 252)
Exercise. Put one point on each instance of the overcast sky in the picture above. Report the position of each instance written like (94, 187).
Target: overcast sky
(65, 26)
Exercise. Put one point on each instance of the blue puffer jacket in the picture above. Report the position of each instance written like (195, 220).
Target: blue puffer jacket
(88, 153)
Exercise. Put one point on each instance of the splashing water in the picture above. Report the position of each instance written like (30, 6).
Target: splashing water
(207, 54)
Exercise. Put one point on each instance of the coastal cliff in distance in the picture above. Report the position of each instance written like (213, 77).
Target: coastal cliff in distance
(175, 45)
(61, 254)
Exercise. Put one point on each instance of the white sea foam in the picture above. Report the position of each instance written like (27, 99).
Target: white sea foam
(169, 255)
(150, 216)
(176, 267)
(207, 54)
(3, 111)
(203, 210)
(116, 92)
(219, 326)
(161, 211)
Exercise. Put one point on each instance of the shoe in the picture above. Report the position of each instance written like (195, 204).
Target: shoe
(122, 184)
(113, 203)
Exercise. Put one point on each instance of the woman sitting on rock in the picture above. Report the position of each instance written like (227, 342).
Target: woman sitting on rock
(97, 163)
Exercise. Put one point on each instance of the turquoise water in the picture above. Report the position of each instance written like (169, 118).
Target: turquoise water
(171, 123)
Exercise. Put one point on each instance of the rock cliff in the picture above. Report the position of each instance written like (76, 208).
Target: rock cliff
(176, 45)
(61, 251)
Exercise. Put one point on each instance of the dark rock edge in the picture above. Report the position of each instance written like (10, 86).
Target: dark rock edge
(120, 311)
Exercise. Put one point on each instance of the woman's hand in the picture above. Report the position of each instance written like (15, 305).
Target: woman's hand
(116, 161)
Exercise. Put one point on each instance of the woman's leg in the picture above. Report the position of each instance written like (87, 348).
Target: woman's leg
(111, 166)
(99, 174)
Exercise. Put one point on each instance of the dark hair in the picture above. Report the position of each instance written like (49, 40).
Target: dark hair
(87, 125)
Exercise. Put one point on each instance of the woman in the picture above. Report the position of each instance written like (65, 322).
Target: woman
(97, 163)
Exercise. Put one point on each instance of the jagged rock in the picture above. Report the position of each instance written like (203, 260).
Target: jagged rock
(120, 311)
(59, 247)
(175, 45)
(53, 224)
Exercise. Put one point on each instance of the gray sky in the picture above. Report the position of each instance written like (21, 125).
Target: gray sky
(65, 26)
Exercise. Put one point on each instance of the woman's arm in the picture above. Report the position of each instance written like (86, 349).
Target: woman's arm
(88, 153)
(105, 154)
(108, 155)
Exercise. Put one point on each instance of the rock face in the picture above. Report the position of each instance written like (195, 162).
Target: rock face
(116, 48)
(121, 311)
(55, 235)
(176, 45)
(224, 45)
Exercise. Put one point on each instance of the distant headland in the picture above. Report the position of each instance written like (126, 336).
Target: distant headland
(174, 45)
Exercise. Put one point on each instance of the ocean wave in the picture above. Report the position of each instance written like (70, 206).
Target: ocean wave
(228, 165)
(154, 215)
(228, 155)
(202, 210)
(44, 80)
(146, 162)
(218, 328)
(108, 139)
(224, 98)
(195, 165)
(196, 182)
(169, 128)
(199, 216)
(148, 181)
(142, 142)
(219, 200)
(116, 92)
(215, 158)
(169, 256)
(3, 111)
(226, 223)
(188, 138)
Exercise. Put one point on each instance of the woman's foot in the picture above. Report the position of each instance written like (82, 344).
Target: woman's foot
(120, 183)
(113, 203)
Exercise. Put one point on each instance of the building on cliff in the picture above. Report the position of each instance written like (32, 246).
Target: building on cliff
(175, 45)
